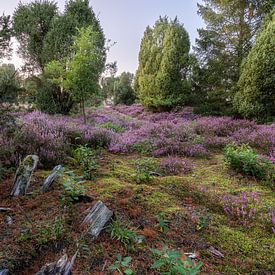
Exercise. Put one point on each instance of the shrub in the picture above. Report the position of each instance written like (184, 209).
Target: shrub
(145, 170)
(244, 159)
(112, 126)
(175, 166)
(170, 262)
(87, 158)
(123, 234)
(73, 188)
(243, 207)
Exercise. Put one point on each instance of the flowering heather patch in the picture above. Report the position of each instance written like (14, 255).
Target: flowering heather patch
(242, 207)
(175, 166)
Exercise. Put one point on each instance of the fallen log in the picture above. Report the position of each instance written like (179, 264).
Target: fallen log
(62, 267)
(23, 175)
(4, 209)
(51, 178)
(4, 272)
(98, 216)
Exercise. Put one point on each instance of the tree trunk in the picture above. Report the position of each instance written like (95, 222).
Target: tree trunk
(83, 111)
(98, 216)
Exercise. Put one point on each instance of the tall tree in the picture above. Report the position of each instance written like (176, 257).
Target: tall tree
(231, 26)
(86, 66)
(161, 79)
(31, 24)
(256, 93)
(5, 35)
(77, 14)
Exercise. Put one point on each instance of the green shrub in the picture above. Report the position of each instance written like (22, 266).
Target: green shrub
(112, 126)
(145, 170)
(87, 158)
(126, 236)
(170, 262)
(244, 159)
(73, 188)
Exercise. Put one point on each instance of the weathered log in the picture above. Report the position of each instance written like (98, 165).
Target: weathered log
(216, 253)
(4, 209)
(23, 175)
(51, 178)
(62, 267)
(4, 272)
(8, 220)
(97, 217)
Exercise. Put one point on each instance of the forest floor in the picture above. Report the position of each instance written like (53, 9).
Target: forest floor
(184, 212)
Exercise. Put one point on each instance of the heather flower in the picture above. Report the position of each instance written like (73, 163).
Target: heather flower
(175, 166)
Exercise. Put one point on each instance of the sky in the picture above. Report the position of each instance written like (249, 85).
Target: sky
(124, 22)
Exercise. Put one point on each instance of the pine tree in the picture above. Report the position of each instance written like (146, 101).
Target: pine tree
(231, 26)
(161, 79)
(256, 86)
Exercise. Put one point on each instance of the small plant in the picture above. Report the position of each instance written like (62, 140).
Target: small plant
(112, 126)
(145, 170)
(123, 234)
(163, 223)
(122, 265)
(244, 159)
(203, 222)
(73, 188)
(170, 262)
(175, 166)
(144, 147)
(87, 159)
(243, 207)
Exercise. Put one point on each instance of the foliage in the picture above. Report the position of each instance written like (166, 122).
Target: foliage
(255, 96)
(122, 265)
(86, 66)
(175, 166)
(60, 38)
(87, 159)
(112, 126)
(9, 84)
(230, 30)
(73, 188)
(244, 159)
(31, 24)
(145, 170)
(123, 90)
(163, 223)
(242, 207)
(5, 35)
(126, 236)
(170, 262)
(161, 79)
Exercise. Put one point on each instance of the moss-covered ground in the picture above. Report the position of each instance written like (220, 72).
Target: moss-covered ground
(43, 228)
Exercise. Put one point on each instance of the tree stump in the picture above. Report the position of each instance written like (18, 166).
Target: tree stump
(23, 175)
(62, 267)
(51, 178)
(97, 217)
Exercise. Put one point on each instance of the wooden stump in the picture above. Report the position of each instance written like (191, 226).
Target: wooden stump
(97, 217)
(23, 175)
(51, 178)
(62, 267)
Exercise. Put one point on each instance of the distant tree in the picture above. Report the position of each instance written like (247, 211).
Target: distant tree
(231, 26)
(161, 78)
(31, 24)
(77, 14)
(256, 94)
(123, 89)
(5, 35)
(9, 84)
(85, 67)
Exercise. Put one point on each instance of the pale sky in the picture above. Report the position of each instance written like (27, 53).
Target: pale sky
(124, 22)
